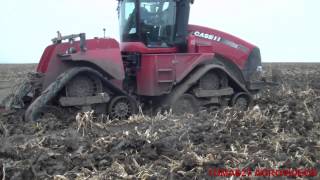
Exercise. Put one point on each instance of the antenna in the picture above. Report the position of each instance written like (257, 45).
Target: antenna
(59, 36)
(104, 33)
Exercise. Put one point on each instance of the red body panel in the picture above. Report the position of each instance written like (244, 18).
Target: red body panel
(45, 59)
(160, 72)
(109, 60)
(238, 55)
(52, 50)
(160, 68)
(139, 47)
(104, 53)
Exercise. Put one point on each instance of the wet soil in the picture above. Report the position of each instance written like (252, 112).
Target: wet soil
(282, 130)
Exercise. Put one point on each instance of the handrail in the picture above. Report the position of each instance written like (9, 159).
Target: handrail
(71, 38)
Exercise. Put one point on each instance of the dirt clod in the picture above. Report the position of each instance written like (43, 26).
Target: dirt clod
(282, 130)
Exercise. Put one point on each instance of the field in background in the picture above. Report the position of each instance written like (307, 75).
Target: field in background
(11, 72)
(10, 75)
(281, 131)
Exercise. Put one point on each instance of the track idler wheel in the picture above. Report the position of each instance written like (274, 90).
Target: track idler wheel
(121, 107)
(241, 101)
(186, 103)
(213, 81)
(83, 85)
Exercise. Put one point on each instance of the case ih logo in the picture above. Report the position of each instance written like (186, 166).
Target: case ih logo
(221, 40)
(207, 36)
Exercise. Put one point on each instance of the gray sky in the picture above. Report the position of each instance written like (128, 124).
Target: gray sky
(285, 30)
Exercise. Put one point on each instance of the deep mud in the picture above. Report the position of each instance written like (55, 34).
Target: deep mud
(281, 131)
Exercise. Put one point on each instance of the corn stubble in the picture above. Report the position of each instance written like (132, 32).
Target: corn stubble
(282, 130)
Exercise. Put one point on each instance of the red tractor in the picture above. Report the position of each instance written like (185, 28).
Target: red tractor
(161, 62)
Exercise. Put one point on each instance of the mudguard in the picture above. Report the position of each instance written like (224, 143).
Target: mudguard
(232, 68)
(192, 80)
(52, 90)
(108, 60)
(102, 55)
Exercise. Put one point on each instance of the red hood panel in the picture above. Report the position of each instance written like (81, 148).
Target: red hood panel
(223, 43)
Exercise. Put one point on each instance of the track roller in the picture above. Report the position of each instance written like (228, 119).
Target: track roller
(186, 103)
(121, 107)
(241, 101)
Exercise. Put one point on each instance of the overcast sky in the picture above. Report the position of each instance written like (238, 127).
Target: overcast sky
(285, 30)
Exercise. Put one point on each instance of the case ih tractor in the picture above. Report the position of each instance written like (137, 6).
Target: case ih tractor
(161, 62)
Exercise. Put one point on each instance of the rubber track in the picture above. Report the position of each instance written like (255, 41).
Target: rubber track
(33, 110)
(192, 79)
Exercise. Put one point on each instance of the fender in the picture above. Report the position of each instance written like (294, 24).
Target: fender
(194, 78)
(230, 67)
(102, 54)
(53, 89)
(109, 61)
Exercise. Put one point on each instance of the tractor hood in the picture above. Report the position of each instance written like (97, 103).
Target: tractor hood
(218, 36)
(242, 53)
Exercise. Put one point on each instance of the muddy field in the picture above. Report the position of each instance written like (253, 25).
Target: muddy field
(281, 131)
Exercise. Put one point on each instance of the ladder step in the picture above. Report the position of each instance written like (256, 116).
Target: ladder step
(165, 81)
(84, 101)
(213, 93)
(165, 70)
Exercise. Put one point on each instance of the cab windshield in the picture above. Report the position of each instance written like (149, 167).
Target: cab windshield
(149, 21)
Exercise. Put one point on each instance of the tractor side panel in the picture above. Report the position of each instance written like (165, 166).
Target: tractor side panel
(101, 54)
(160, 72)
(45, 59)
(156, 75)
(185, 63)
(108, 60)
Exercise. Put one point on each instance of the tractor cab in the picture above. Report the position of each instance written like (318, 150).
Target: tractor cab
(147, 24)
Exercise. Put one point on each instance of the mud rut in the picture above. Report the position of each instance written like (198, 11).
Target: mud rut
(281, 131)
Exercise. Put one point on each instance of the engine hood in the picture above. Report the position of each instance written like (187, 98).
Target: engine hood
(220, 36)
(223, 44)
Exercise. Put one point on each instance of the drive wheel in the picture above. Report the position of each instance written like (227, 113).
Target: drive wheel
(241, 101)
(187, 103)
(121, 107)
(210, 81)
(83, 85)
